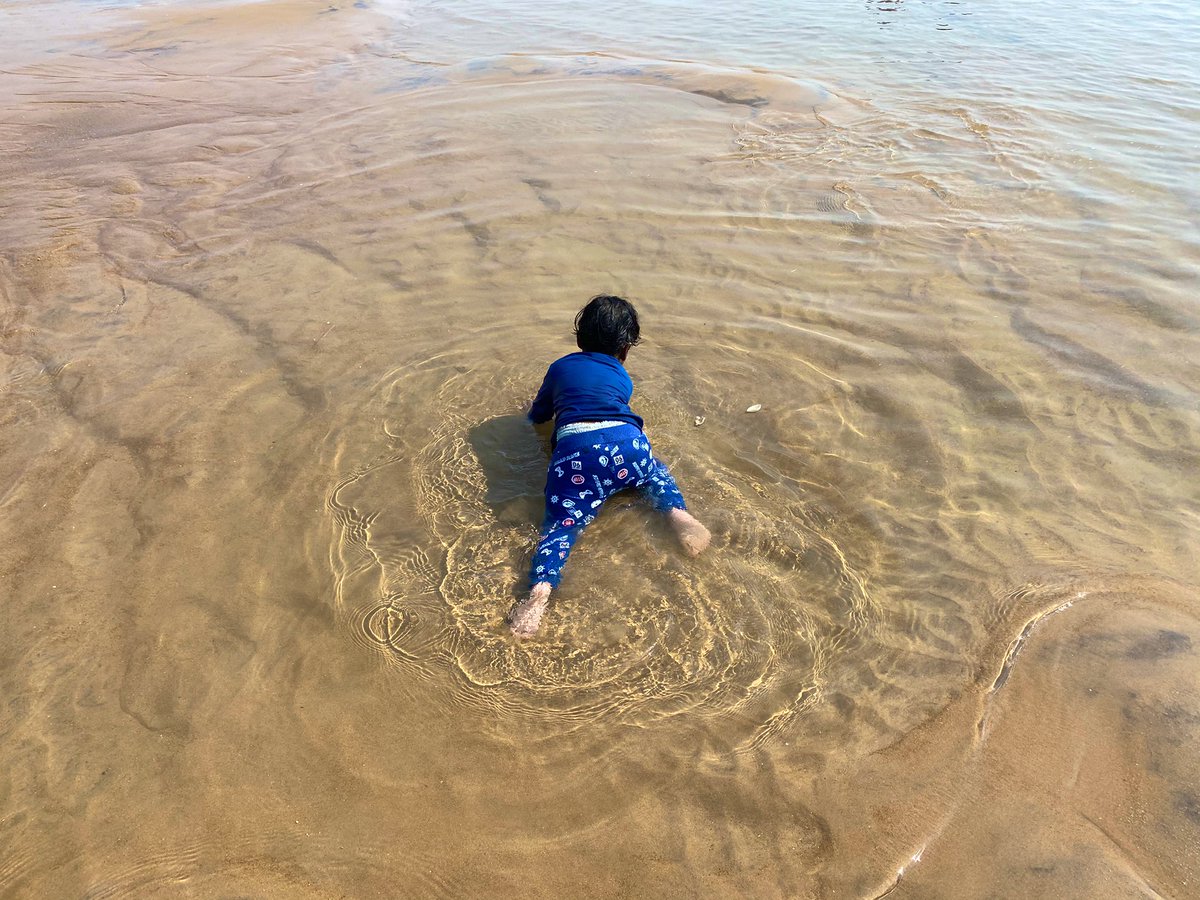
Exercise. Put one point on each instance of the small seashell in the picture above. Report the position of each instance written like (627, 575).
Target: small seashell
(755, 408)
(699, 420)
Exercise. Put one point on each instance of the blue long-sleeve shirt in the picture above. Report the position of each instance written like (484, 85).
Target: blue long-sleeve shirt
(585, 387)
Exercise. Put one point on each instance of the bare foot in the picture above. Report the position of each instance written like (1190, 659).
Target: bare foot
(527, 615)
(691, 533)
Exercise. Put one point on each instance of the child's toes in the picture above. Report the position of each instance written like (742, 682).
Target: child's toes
(526, 618)
(696, 539)
(693, 536)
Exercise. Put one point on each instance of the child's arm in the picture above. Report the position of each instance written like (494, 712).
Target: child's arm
(542, 409)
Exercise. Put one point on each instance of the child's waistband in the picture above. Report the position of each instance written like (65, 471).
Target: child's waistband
(583, 427)
(607, 433)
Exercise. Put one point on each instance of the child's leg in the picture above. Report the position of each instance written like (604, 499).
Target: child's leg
(559, 533)
(660, 487)
(572, 501)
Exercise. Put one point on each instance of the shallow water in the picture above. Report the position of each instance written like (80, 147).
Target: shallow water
(279, 280)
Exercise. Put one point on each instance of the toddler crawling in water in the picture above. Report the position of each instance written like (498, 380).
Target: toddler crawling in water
(598, 449)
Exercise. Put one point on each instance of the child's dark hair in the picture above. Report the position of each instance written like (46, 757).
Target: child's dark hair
(607, 324)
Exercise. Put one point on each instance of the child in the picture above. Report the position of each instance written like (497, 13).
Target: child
(598, 449)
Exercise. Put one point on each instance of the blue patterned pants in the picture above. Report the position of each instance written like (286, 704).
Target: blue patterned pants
(585, 470)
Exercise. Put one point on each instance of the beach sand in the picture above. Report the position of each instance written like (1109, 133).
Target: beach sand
(278, 281)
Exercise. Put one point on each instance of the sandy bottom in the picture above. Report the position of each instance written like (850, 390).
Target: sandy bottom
(276, 289)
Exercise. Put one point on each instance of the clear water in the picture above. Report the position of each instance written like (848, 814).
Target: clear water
(278, 282)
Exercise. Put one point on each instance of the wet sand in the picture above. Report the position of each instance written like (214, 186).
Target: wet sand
(278, 281)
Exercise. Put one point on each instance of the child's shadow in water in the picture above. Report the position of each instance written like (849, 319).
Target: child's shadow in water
(512, 455)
